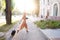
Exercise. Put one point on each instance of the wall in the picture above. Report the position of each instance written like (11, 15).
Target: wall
(48, 6)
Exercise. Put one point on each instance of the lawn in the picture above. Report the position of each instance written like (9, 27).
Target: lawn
(51, 24)
(5, 27)
(2, 38)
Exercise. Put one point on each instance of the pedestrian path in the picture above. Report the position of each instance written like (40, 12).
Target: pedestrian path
(53, 34)
(33, 34)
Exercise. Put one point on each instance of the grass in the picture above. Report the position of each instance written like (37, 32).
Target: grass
(2, 38)
(6, 27)
(48, 24)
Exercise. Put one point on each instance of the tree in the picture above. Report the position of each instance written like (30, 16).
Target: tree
(0, 5)
(8, 11)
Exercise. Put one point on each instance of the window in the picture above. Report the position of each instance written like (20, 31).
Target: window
(48, 2)
(43, 1)
(55, 10)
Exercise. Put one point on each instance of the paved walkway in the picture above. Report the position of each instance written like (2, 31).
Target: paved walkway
(33, 34)
(53, 34)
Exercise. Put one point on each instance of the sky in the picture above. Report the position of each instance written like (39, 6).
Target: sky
(25, 5)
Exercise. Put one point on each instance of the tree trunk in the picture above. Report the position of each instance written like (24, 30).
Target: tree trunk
(8, 11)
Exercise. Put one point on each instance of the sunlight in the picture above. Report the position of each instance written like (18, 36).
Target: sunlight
(24, 5)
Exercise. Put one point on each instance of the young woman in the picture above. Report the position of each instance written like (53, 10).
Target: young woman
(23, 23)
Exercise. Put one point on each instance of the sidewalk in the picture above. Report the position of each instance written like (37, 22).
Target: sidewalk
(33, 34)
(53, 34)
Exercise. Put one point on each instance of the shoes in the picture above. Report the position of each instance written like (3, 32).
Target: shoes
(27, 31)
(17, 31)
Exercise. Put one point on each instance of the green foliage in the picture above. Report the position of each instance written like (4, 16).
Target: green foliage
(6, 27)
(41, 24)
(48, 24)
(12, 4)
(2, 38)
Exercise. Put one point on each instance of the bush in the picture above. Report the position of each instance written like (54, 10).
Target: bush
(48, 24)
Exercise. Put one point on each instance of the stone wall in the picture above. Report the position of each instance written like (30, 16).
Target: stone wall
(54, 17)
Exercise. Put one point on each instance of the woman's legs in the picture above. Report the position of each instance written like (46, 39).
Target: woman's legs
(26, 27)
(22, 26)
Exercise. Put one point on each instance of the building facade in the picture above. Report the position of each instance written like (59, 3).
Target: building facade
(49, 7)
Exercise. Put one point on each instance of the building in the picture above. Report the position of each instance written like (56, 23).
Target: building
(50, 8)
